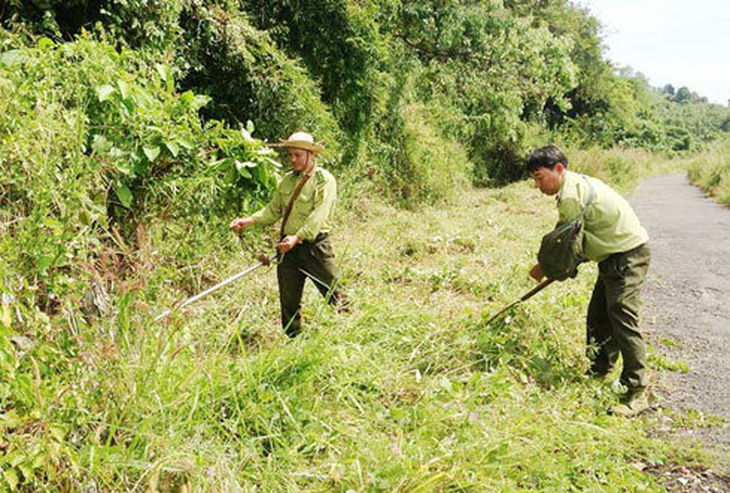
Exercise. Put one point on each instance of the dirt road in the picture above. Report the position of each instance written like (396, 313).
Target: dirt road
(687, 298)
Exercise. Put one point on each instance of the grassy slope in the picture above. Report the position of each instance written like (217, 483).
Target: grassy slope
(409, 391)
(710, 170)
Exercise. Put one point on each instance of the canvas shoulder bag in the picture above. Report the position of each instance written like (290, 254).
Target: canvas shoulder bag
(560, 251)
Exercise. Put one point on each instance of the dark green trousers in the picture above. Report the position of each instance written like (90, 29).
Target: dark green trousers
(308, 260)
(613, 316)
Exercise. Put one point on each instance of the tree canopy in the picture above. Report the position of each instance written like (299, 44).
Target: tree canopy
(491, 77)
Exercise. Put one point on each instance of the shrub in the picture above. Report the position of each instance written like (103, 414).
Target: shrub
(246, 74)
(94, 139)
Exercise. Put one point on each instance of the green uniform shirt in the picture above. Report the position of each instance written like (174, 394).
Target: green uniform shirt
(611, 226)
(312, 211)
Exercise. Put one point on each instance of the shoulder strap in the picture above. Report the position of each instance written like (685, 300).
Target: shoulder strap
(293, 198)
(591, 197)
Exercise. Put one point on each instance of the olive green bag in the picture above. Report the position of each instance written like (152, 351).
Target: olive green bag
(561, 252)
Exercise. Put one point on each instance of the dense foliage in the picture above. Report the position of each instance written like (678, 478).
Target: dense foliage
(91, 136)
(491, 78)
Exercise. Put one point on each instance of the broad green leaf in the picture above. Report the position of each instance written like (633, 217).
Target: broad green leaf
(162, 70)
(264, 151)
(141, 96)
(26, 469)
(100, 144)
(16, 457)
(155, 129)
(231, 175)
(276, 164)
(124, 194)
(170, 80)
(117, 154)
(11, 478)
(151, 153)
(141, 166)
(12, 57)
(250, 126)
(199, 101)
(104, 92)
(187, 97)
(174, 149)
(219, 162)
(53, 224)
(128, 105)
(246, 135)
(243, 169)
(185, 143)
(124, 89)
(45, 43)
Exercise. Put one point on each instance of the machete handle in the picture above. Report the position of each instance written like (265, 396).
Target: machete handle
(537, 289)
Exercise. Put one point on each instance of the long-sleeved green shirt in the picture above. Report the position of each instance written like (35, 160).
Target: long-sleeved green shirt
(611, 226)
(312, 211)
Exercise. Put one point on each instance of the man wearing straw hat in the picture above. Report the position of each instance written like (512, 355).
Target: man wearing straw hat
(304, 201)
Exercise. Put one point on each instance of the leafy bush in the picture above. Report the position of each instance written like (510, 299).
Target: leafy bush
(241, 68)
(340, 44)
(422, 165)
(491, 66)
(93, 139)
(501, 73)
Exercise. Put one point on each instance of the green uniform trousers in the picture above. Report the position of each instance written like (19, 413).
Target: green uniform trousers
(613, 317)
(313, 260)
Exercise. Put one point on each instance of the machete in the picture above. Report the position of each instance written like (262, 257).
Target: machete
(524, 297)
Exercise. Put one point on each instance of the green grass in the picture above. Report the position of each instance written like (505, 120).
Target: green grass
(622, 168)
(710, 171)
(659, 362)
(410, 391)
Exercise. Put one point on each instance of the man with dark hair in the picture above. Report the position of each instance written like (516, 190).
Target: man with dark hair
(613, 237)
(304, 201)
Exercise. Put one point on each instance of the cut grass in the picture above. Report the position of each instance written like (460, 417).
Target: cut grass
(408, 392)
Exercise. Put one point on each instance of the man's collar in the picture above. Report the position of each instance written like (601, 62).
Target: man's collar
(310, 172)
(562, 186)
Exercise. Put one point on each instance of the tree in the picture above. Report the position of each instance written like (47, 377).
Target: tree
(684, 95)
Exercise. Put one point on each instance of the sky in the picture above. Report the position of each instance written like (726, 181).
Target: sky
(678, 42)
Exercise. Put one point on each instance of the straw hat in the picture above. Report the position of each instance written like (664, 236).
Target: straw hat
(301, 140)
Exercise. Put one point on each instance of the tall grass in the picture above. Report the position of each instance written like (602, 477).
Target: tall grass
(622, 168)
(410, 391)
(710, 170)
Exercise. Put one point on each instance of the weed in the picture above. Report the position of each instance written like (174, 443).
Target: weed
(660, 362)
